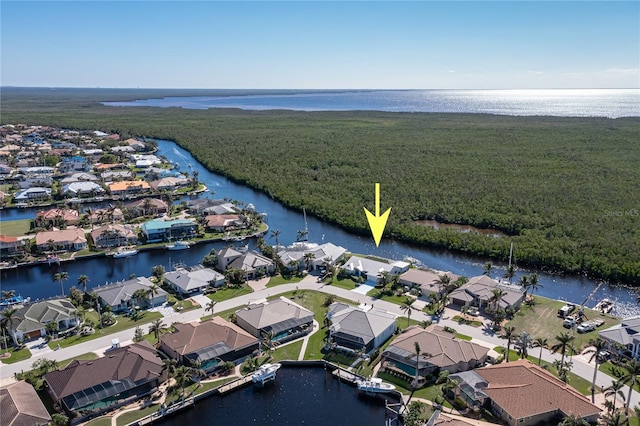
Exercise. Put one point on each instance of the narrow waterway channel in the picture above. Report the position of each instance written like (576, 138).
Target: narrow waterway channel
(37, 281)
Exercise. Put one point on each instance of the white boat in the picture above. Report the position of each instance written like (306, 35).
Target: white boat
(124, 252)
(605, 306)
(265, 373)
(374, 385)
(178, 245)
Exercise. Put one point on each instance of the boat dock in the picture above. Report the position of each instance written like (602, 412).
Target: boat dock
(228, 387)
(345, 376)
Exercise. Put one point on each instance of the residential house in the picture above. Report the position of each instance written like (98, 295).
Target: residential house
(522, 393)
(38, 171)
(145, 160)
(129, 187)
(198, 205)
(122, 149)
(625, 334)
(29, 322)
(252, 263)
(282, 318)
(32, 194)
(114, 235)
(39, 181)
(311, 256)
(194, 280)
(115, 175)
(64, 239)
(119, 295)
(478, 291)
(441, 351)
(427, 281)
(224, 222)
(359, 328)
(157, 230)
(170, 183)
(57, 217)
(75, 163)
(80, 189)
(79, 177)
(147, 206)
(21, 406)
(136, 144)
(226, 208)
(120, 377)
(101, 215)
(371, 269)
(208, 344)
(10, 246)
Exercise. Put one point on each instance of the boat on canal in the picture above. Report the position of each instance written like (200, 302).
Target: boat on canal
(14, 300)
(374, 385)
(178, 245)
(124, 252)
(265, 373)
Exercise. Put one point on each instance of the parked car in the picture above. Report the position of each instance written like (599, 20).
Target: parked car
(566, 310)
(585, 327)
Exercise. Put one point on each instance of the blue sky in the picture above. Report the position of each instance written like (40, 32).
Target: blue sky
(324, 45)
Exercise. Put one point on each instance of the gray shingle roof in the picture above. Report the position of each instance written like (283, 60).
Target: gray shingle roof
(35, 316)
(117, 293)
(278, 315)
(354, 322)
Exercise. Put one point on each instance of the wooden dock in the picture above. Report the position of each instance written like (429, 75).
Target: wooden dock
(345, 375)
(234, 385)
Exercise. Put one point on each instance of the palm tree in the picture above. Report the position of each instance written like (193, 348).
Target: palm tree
(539, 342)
(496, 296)
(563, 342)
(596, 346)
(153, 291)
(184, 376)
(7, 322)
(83, 280)
(614, 391)
(302, 235)
(614, 418)
(534, 283)
(573, 420)
(156, 327)
(61, 277)
(406, 308)
(308, 258)
(524, 283)
(268, 341)
(275, 234)
(507, 333)
(443, 282)
(524, 341)
(8, 294)
(210, 306)
(487, 267)
(631, 379)
(170, 365)
(510, 272)
(418, 352)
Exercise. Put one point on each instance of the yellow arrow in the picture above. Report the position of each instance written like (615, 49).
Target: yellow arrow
(377, 222)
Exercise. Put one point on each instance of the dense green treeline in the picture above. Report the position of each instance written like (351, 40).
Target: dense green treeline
(566, 191)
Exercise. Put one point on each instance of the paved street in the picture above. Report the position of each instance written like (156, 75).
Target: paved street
(485, 334)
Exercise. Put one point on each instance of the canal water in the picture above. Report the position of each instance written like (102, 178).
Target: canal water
(298, 396)
(37, 281)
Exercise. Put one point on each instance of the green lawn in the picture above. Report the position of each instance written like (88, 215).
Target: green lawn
(100, 421)
(131, 416)
(16, 355)
(429, 392)
(123, 323)
(541, 320)
(279, 279)
(15, 228)
(288, 352)
(83, 357)
(466, 321)
(346, 283)
(229, 293)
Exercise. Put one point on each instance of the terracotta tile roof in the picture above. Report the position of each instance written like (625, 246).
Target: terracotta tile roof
(126, 184)
(523, 389)
(8, 239)
(194, 336)
(66, 214)
(61, 236)
(214, 220)
(20, 405)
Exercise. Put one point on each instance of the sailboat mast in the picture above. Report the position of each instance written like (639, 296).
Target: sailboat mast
(510, 254)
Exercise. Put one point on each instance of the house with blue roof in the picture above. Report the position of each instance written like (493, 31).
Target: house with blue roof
(157, 230)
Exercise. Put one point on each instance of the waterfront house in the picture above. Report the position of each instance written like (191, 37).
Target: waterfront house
(283, 318)
(129, 188)
(10, 246)
(114, 235)
(208, 344)
(371, 269)
(32, 194)
(355, 328)
(79, 177)
(126, 149)
(311, 256)
(56, 217)
(521, 393)
(101, 215)
(119, 295)
(21, 406)
(252, 263)
(441, 351)
(79, 189)
(136, 144)
(226, 208)
(170, 183)
(479, 290)
(427, 281)
(147, 206)
(625, 334)
(114, 175)
(224, 222)
(158, 230)
(120, 377)
(64, 239)
(29, 322)
(193, 281)
(145, 160)
(28, 182)
(198, 205)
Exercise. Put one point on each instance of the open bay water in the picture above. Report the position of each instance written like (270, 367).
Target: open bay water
(298, 396)
(612, 103)
(37, 281)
